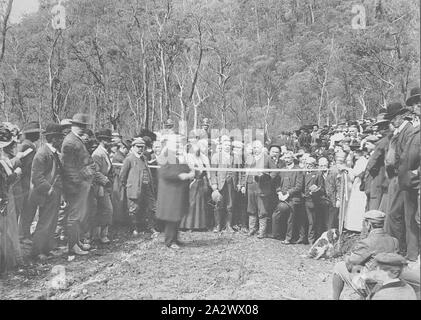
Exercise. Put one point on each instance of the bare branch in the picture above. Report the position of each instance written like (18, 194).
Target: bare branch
(4, 28)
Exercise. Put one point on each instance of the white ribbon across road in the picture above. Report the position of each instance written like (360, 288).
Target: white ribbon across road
(243, 169)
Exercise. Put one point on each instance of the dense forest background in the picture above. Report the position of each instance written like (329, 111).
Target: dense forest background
(272, 64)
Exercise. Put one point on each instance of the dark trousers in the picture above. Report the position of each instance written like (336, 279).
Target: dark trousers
(316, 216)
(333, 217)
(242, 217)
(77, 212)
(411, 227)
(29, 209)
(225, 205)
(104, 210)
(142, 210)
(257, 205)
(43, 237)
(287, 220)
(395, 215)
(171, 232)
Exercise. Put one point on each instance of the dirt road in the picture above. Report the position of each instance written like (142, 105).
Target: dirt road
(210, 266)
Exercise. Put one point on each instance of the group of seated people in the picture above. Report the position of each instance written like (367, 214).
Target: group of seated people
(374, 269)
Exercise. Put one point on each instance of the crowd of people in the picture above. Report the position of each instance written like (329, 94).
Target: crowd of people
(77, 184)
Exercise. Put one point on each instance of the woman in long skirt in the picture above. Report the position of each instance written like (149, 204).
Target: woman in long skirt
(197, 159)
(10, 251)
(357, 199)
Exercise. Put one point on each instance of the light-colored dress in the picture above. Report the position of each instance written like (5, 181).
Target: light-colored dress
(355, 209)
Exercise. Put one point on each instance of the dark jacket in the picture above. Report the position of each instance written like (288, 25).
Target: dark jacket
(375, 180)
(333, 185)
(292, 182)
(45, 173)
(396, 146)
(363, 251)
(410, 160)
(173, 193)
(314, 177)
(131, 175)
(26, 162)
(78, 165)
(264, 181)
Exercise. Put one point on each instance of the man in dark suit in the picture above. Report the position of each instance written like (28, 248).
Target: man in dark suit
(409, 180)
(289, 209)
(102, 189)
(314, 194)
(395, 221)
(46, 190)
(225, 183)
(259, 189)
(275, 162)
(376, 190)
(136, 178)
(78, 174)
(25, 212)
(119, 196)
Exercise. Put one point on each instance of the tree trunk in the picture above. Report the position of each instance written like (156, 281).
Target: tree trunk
(145, 85)
(4, 28)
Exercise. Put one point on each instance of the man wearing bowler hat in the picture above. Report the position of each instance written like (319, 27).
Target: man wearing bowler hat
(395, 219)
(78, 174)
(46, 190)
(103, 186)
(31, 134)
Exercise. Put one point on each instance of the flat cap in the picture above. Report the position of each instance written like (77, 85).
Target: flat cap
(390, 259)
(375, 215)
(138, 141)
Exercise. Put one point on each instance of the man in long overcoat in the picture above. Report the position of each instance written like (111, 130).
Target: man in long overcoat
(46, 190)
(78, 174)
(173, 190)
(395, 221)
(409, 181)
(376, 190)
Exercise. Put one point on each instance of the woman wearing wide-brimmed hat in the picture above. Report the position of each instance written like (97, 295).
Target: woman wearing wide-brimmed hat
(10, 252)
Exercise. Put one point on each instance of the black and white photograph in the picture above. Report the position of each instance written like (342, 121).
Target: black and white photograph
(216, 152)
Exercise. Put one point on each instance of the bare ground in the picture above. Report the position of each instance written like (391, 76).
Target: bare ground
(210, 266)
